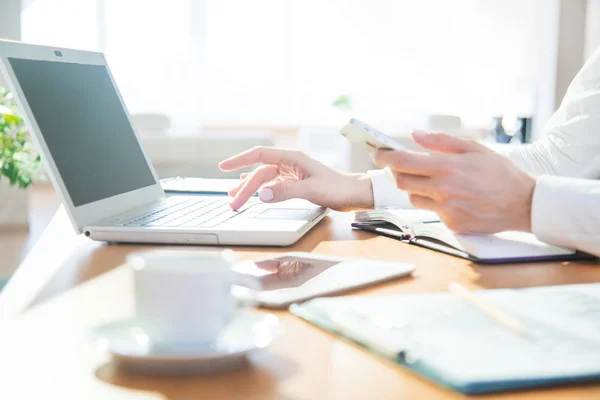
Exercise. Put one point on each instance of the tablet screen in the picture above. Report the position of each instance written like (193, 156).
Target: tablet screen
(295, 277)
(284, 272)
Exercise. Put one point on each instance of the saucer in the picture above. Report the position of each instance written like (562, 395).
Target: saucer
(132, 347)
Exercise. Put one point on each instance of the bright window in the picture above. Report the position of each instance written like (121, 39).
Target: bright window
(284, 61)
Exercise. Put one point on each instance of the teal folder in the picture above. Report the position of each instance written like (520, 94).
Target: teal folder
(447, 340)
(199, 186)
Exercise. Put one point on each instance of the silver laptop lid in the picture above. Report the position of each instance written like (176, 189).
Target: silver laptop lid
(83, 130)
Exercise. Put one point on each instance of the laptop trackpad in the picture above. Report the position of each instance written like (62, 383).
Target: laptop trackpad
(293, 214)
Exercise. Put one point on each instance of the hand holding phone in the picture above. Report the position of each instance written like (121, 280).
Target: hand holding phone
(359, 132)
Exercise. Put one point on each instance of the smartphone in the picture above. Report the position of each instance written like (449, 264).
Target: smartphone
(359, 132)
(294, 277)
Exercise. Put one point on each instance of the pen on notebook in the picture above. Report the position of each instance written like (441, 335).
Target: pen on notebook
(391, 232)
(497, 314)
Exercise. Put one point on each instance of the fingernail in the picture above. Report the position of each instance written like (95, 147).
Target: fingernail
(420, 134)
(265, 195)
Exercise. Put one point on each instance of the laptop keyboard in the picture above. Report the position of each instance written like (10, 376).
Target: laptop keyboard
(185, 212)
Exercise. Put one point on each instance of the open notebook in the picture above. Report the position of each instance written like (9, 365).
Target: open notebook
(446, 339)
(423, 228)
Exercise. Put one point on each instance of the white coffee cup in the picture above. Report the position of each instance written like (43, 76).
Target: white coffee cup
(183, 297)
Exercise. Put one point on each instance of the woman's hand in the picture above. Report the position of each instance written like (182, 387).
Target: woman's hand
(471, 187)
(286, 174)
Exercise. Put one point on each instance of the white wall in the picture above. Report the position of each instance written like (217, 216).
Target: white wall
(10, 28)
(564, 49)
(571, 44)
(546, 85)
(592, 27)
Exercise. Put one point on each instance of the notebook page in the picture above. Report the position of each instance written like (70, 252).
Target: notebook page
(571, 308)
(453, 338)
(508, 245)
(399, 218)
(437, 231)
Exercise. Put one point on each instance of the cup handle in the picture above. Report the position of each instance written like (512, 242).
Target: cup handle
(245, 289)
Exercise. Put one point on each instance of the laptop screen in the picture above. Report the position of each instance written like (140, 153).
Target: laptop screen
(85, 127)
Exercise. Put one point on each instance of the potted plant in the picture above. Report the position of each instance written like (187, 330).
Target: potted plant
(19, 163)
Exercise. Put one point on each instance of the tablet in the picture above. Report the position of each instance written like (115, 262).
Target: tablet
(294, 277)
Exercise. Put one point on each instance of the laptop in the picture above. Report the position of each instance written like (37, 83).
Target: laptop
(94, 158)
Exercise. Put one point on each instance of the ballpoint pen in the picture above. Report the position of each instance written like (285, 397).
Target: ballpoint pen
(502, 317)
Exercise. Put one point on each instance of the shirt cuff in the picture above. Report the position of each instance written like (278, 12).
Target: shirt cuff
(564, 211)
(385, 192)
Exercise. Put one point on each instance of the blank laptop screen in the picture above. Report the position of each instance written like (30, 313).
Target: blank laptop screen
(85, 127)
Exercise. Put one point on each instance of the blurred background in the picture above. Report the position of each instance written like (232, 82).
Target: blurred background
(293, 71)
(204, 79)
(278, 62)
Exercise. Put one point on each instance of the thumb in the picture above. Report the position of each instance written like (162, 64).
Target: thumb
(445, 143)
(284, 190)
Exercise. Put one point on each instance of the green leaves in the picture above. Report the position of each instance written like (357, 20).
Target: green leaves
(343, 102)
(18, 160)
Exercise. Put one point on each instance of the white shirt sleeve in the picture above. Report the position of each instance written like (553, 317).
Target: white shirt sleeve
(565, 210)
(570, 142)
(385, 192)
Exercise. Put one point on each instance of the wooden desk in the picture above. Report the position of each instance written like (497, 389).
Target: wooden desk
(69, 284)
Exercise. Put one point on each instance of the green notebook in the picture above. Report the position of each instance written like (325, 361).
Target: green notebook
(446, 339)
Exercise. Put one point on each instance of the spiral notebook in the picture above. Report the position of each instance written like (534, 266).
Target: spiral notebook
(447, 340)
(423, 228)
